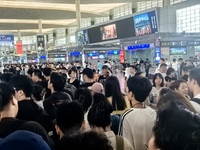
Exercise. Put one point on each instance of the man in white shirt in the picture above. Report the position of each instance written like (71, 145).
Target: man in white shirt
(194, 87)
(162, 70)
(162, 60)
(136, 124)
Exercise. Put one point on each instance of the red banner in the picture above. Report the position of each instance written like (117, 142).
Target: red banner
(19, 47)
(122, 53)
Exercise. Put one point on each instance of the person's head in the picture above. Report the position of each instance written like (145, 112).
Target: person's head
(167, 95)
(5, 70)
(85, 141)
(47, 72)
(194, 81)
(23, 86)
(57, 82)
(176, 128)
(6, 77)
(185, 71)
(174, 60)
(8, 102)
(99, 116)
(23, 140)
(180, 86)
(189, 62)
(138, 88)
(97, 88)
(105, 70)
(36, 75)
(69, 119)
(162, 60)
(12, 70)
(72, 72)
(180, 59)
(166, 59)
(163, 68)
(170, 71)
(88, 74)
(133, 69)
(38, 92)
(84, 97)
(112, 89)
(158, 80)
(140, 73)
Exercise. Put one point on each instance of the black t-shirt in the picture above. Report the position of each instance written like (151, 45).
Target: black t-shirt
(169, 79)
(102, 79)
(10, 125)
(76, 83)
(86, 85)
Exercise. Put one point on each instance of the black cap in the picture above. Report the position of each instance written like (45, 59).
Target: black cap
(134, 67)
(88, 72)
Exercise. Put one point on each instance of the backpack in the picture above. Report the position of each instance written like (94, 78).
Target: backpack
(119, 142)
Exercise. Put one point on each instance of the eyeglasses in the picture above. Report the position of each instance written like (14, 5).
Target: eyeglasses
(146, 147)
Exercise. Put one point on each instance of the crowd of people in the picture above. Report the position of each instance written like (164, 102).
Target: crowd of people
(71, 107)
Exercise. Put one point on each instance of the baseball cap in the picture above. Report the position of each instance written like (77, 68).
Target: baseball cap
(134, 67)
(23, 140)
(88, 72)
(97, 87)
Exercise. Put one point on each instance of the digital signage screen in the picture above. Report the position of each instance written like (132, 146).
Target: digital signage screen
(146, 23)
(108, 32)
(82, 37)
(178, 51)
(6, 40)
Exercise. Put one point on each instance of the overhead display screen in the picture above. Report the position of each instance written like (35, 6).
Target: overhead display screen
(82, 38)
(178, 51)
(108, 32)
(146, 23)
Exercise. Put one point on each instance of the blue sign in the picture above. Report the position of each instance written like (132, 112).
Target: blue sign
(83, 38)
(146, 23)
(93, 54)
(74, 54)
(140, 46)
(115, 52)
(6, 40)
(157, 54)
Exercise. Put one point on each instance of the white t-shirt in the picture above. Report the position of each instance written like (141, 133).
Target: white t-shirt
(175, 66)
(136, 126)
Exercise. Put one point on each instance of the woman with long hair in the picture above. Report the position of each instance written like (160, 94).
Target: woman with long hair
(113, 92)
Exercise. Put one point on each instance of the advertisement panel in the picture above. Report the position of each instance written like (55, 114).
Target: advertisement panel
(40, 42)
(157, 50)
(146, 23)
(6, 40)
(83, 38)
(19, 47)
(178, 50)
(122, 54)
(108, 32)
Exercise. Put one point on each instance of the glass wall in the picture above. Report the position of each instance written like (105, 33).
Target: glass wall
(149, 4)
(176, 1)
(188, 19)
(122, 10)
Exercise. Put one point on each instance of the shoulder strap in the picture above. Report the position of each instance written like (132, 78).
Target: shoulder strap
(119, 142)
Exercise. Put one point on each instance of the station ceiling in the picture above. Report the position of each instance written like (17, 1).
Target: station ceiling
(24, 14)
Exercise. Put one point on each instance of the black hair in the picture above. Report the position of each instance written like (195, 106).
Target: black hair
(170, 70)
(176, 128)
(140, 87)
(177, 83)
(24, 83)
(163, 65)
(30, 71)
(180, 59)
(38, 92)
(100, 114)
(104, 67)
(47, 71)
(85, 141)
(70, 117)
(6, 94)
(112, 89)
(13, 70)
(139, 73)
(72, 70)
(84, 97)
(38, 73)
(195, 74)
(97, 98)
(6, 77)
(174, 60)
(162, 59)
(5, 71)
(58, 81)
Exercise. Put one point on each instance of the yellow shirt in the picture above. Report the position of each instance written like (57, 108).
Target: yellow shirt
(128, 106)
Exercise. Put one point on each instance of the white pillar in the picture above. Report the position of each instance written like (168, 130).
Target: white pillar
(19, 35)
(78, 14)
(166, 3)
(40, 26)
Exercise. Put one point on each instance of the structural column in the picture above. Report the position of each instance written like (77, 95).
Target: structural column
(166, 3)
(19, 35)
(78, 14)
(40, 26)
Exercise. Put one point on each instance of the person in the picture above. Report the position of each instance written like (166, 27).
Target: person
(185, 73)
(9, 110)
(169, 133)
(133, 70)
(86, 141)
(161, 61)
(69, 119)
(87, 78)
(113, 92)
(140, 73)
(167, 95)
(97, 88)
(167, 62)
(175, 66)
(136, 123)
(37, 76)
(6, 77)
(47, 72)
(56, 84)
(147, 64)
(181, 87)
(138, 65)
(28, 109)
(38, 95)
(30, 72)
(73, 81)
(104, 76)
(99, 66)
(162, 70)
(99, 118)
(158, 84)
(182, 65)
(170, 78)
(23, 140)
